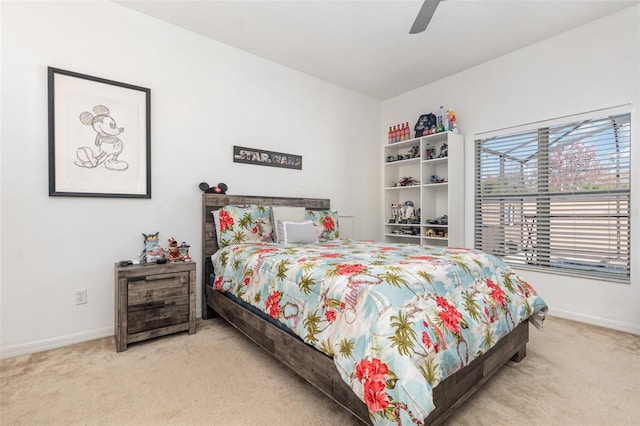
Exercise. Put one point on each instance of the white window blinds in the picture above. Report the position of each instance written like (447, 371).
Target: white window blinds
(557, 198)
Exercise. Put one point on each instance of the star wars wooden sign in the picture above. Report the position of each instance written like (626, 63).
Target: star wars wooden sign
(266, 158)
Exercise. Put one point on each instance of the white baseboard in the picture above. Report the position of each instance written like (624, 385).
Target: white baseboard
(53, 343)
(58, 342)
(602, 322)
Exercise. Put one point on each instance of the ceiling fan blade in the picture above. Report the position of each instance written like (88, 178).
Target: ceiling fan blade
(424, 16)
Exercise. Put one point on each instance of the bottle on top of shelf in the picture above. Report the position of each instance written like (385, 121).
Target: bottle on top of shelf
(440, 125)
(399, 132)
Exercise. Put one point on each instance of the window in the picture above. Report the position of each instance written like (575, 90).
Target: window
(556, 198)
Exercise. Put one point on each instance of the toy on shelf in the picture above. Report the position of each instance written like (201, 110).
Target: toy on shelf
(408, 181)
(407, 212)
(428, 124)
(425, 125)
(413, 152)
(440, 220)
(395, 213)
(412, 230)
(434, 178)
(444, 151)
(453, 127)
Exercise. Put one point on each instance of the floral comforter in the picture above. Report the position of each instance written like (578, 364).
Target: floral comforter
(397, 318)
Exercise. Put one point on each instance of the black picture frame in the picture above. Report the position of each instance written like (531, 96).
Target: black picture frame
(87, 155)
(262, 157)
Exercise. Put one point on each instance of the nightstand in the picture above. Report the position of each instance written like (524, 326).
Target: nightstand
(154, 300)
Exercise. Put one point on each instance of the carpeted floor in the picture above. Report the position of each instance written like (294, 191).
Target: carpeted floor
(574, 374)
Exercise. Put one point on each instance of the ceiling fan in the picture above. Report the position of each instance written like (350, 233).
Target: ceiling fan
(424, 16)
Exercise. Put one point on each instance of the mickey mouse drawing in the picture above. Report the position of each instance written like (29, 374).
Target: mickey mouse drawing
(109, 146)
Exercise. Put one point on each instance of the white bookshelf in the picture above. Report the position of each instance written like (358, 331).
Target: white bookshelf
(439, 189)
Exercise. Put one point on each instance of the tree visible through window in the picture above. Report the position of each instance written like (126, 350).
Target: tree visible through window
(557, 198)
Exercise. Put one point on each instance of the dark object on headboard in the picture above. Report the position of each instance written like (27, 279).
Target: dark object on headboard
(220, 189)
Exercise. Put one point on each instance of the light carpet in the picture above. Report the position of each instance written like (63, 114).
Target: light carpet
(574, 374)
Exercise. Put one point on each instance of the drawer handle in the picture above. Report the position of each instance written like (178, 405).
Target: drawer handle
(162, 277)
(162, 304)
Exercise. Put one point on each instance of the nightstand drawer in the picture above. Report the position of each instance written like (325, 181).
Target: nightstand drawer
(157, 288)
(150, 315)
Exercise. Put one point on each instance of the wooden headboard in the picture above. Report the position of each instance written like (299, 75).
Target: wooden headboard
(211, 202)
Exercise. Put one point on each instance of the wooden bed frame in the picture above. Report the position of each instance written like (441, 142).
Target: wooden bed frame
(313, 365)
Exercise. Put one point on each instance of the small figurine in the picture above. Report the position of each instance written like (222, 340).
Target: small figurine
(416, 217)
(152, 251)
(429, 153)
(395, 213)
(174, 252)
(184, 251)
(452, 121)
(444, 151)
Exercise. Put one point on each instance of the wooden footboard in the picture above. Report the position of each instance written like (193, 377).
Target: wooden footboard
(456, 389)
(316, 367)
(319, 369)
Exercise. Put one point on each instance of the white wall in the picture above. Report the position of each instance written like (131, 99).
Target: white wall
(205, 98)
(591, 67)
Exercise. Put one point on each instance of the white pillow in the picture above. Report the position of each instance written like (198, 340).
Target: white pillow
(285, 214)
(297, 232)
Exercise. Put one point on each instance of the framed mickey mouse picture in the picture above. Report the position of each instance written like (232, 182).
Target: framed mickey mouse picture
(99, 137)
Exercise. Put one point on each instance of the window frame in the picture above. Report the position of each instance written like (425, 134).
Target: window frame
(504, 209)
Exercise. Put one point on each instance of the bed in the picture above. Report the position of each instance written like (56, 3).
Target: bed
(319, 369)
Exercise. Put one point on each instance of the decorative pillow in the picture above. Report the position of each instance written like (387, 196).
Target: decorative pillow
(244, 225)
(285, 214)
(326, 223)
(297, 232)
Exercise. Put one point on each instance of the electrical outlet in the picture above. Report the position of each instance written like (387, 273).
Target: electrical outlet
(81, 296)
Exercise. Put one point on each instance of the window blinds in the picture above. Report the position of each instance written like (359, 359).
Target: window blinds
(557, 198)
